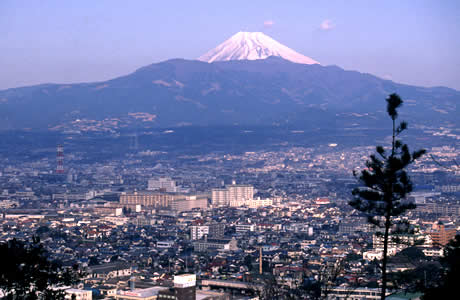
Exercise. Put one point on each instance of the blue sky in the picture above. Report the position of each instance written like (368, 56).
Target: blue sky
(414, 42)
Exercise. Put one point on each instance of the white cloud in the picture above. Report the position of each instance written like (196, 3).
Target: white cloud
(327, 25)
(269, 23)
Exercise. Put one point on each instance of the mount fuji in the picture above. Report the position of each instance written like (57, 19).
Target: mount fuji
(249, 79)
(252, 46)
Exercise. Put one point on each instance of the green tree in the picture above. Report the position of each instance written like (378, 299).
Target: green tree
(385, 183)
(26, 273)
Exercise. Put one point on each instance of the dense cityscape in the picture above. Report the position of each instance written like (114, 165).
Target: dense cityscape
(229, 150)
(229, 221)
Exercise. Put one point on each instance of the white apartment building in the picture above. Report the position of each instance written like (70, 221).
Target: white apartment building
(219, 197)
(198, 232)
(190, 202)
(232, 194)
(163, 184)
(241, 228)
(252, 203)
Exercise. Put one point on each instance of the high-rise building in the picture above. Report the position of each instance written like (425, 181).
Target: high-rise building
(164, 184)
(189, 202)
(232, 194)
(60, 159)
(219, 197)
(440, 235)
(240, 191)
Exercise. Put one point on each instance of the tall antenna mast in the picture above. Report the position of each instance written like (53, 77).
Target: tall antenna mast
(60, 159)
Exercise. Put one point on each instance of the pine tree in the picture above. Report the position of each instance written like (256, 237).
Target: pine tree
(26, 272)
(385, 183)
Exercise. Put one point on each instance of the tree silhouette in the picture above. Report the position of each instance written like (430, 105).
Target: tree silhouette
(26, 273)
(385, 183)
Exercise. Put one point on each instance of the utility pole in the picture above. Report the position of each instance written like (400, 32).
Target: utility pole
(186, 264)
(260, 260)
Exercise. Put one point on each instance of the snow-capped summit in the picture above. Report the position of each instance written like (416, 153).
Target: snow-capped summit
(251, 46)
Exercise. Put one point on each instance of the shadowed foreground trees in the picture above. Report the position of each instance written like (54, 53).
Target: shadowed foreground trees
(26, 273)
(385, 183)
(447, 285)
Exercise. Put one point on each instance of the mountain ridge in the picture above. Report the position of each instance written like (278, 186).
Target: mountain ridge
(180, 92)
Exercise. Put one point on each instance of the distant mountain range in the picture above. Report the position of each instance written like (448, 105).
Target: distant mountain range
(270, 91)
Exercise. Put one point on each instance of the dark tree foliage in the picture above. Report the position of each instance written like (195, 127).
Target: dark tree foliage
(424, 277)
(385, 182)
(248, 262)
(411, 255)
(271, 289)
(93, 261)
(26, 273)
(42, 229)
(447, 285)
(268, 286)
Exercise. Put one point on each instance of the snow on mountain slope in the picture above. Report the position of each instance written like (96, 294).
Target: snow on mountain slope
(251, 46)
